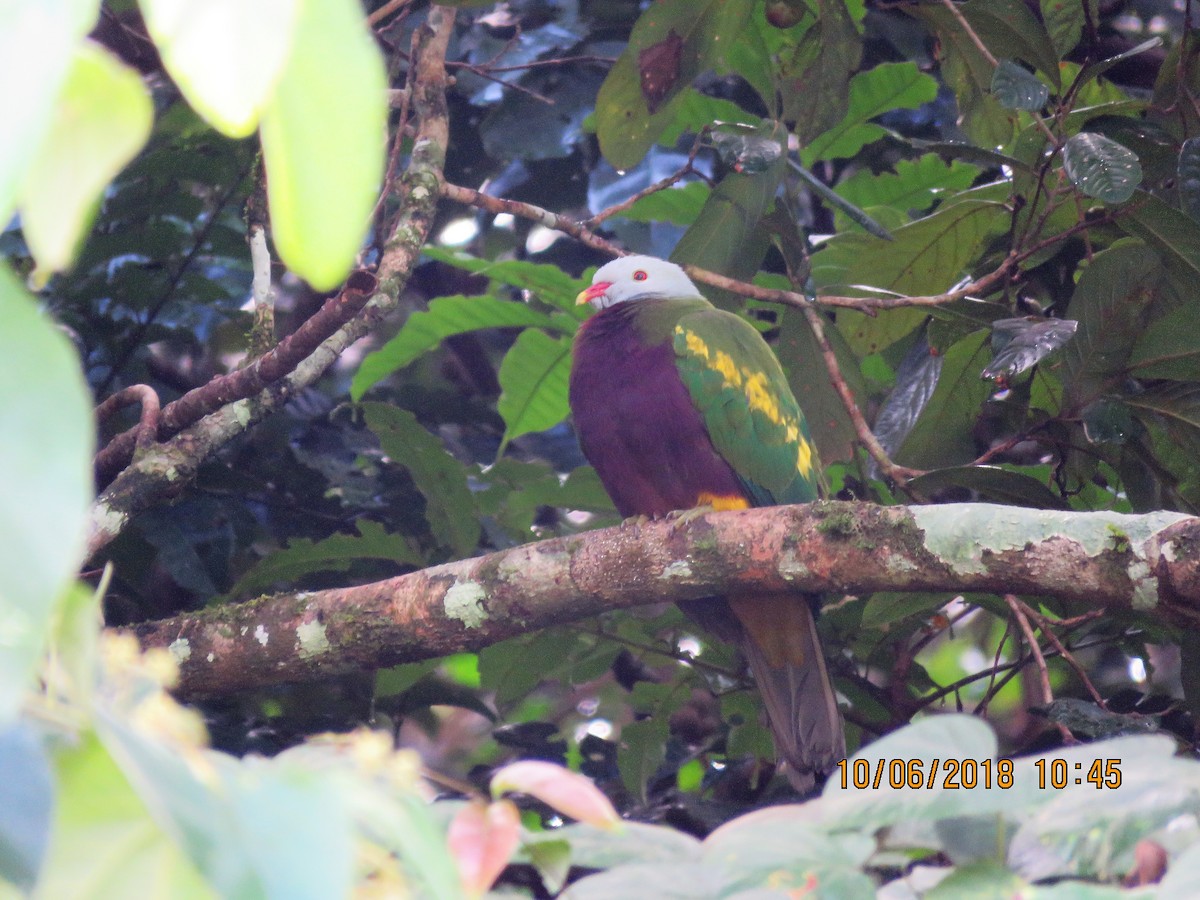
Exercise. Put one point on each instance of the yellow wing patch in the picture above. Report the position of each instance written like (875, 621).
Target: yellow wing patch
(752, 383)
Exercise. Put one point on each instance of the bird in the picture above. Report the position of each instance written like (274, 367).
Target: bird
(680, 406)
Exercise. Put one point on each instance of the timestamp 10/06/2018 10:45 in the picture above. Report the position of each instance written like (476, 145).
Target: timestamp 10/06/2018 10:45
(969, 774)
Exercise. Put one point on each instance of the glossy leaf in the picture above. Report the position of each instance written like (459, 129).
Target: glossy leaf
(677, 205)
(916, 379)
(449, 506)
(229, 89)
(534, 380)
(944, 433)
(1107, 422)
(1017, 88)
(426, 329)
(1101, 168)
(1022, 343)
(42, 512)
(330, 104)
(102, 119)
(1010, 29)
(1189, 177)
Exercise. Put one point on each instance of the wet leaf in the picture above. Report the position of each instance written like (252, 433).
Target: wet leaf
(1019, 344)
(1107, 422)
(1101, 168)
(1017, 88)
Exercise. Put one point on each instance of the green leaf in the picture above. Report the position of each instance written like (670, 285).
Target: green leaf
(336, 553)
(642, 751)
(926, 257)
(1110, 303)
(985, 880)
(330, 104)
(268, 828)
(229, 88)
(550, 284)
(1171, 234)
(105, 843)
(725, 237)
(672, 43)
(1170, 347)
(1101, 168)
(1189, 177)
(816, 74)
(26, 804)
(38, 42)
(886, 87)
(1009, 28)
(102, 118)
(1178, 405)
(47, 436)
(992, 483)
(677, 205)
(1064, 21)
(1107, 421)
(425, 330)
(534, 380)
(913, 187)
(944, 433)
(1015, 88)
(449, 506)
(801, 358)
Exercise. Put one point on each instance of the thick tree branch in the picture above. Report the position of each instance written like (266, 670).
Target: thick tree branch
(1100, 559)
(230, 405)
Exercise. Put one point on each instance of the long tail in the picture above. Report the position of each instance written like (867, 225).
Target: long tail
(780, 642)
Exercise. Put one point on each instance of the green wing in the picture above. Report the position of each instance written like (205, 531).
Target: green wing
(737, 385)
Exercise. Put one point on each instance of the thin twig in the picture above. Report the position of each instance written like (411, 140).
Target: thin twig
(899, 474)
(1019, 613)
(686, 169)
(147, 428)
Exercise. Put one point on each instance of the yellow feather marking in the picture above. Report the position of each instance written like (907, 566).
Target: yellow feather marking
(760, 396)
(724, 364)
(722, 502)
(695, 343)
(804, 457)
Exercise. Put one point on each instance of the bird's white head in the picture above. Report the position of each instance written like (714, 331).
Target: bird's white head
(636, 278)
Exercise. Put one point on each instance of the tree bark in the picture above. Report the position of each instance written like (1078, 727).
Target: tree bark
(1146, 562)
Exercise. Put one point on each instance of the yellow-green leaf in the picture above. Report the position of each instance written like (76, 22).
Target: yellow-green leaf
(323, 141)
(46, 445)
(102, 119)
(230, 87)
(37, 41)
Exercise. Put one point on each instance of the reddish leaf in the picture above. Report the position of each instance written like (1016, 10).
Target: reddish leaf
(482, 839)
(658, 67)
(566, 791)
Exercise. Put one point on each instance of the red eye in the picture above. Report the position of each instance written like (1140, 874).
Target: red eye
(639, 275)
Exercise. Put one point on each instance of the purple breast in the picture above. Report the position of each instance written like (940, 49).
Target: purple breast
(636, 422)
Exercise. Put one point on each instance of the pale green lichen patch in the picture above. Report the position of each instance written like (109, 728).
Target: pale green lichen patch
(464, 602)
(960, 533)
(260, 635)
(311, 639)
(1145, 584)
(790, 567)
(677, 569)
(180, 649)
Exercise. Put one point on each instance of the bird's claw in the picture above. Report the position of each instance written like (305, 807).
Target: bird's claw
(681, 518)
